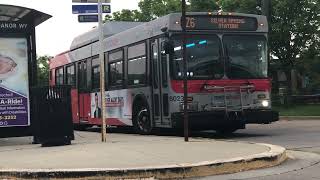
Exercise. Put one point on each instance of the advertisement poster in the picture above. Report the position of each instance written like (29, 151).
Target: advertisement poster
(118, 105)
(14, 84)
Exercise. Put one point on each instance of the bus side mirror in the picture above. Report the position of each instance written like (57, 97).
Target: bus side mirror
(168, 47)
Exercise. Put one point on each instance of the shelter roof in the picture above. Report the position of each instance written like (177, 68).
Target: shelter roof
(19, 14)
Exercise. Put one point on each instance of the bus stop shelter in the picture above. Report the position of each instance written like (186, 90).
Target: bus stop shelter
(18, 67)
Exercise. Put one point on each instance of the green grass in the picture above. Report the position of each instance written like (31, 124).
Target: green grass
(299, 110)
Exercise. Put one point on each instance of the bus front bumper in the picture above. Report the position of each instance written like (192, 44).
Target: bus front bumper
(215, 119)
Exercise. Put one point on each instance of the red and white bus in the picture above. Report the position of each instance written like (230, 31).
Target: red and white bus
(228, 86)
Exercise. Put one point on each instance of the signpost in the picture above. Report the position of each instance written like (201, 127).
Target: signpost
(100, 9)
(185, 72)
(91, 8)
(88, 18)
(102, 76)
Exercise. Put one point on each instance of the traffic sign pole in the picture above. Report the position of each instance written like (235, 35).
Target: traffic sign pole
(90, 8)
(102, 75)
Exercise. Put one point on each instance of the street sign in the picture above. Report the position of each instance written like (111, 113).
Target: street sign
(88, 18)
(84, 9)
(91, 1)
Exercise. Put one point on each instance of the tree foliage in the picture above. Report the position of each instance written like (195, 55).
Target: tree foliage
(243, 6)
(203, 5)
(43, 70)
(151, 9)
(295, 29)
(294, 25)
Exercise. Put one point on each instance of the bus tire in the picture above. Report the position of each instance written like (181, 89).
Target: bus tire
(141, 118)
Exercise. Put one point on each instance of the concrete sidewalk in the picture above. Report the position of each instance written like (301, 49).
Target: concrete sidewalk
(131, 156)
(288, 118)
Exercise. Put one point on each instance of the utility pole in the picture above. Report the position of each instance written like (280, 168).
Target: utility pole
(185, 72)
(102, 76)
(266, 11)
(100, 9)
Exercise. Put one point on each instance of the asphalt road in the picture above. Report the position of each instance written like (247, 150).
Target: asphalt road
(301, 138)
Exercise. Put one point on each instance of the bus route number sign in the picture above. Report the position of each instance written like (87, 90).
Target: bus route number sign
(221, 23)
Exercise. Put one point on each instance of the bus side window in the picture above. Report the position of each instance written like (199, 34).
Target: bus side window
(95, 73)
(50, 75)
(71, 78)
(59, 76)
(115, 68)
(82, 75)
(137, 64)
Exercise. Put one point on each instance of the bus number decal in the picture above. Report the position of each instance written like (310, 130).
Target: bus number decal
(191, 22)
(176, 98)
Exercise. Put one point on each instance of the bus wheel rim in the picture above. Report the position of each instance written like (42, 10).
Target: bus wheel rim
(143, 120)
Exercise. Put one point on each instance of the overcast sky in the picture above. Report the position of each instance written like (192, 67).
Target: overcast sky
(55, 35)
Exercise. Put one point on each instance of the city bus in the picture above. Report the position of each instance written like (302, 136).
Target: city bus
(227, 76)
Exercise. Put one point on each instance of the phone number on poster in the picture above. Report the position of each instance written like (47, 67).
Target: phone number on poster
(13, 117)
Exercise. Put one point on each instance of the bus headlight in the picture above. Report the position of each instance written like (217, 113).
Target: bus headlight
(265, 103)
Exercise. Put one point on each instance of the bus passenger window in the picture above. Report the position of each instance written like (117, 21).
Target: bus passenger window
(96, 77)
(59, 76)
(71, 78)
(137, 67)
(115, 68)
(116, 73)
(50, 75)
(137, 71)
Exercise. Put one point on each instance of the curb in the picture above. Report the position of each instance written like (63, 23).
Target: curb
(291, 118)
(275, 156)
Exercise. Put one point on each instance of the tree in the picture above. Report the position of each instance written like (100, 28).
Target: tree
(294, 27)
(151, 9)
(123, 15)
(203, 5)
(309, 66)
(243, 6)
(43, 70)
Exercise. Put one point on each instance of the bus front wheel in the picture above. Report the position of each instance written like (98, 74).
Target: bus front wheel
(142, 121)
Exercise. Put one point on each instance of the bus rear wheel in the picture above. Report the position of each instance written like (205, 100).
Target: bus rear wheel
(141, 119)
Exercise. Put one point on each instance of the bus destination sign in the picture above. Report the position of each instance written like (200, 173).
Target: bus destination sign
(236, 23)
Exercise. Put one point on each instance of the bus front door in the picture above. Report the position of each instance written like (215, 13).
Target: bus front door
(160, 85)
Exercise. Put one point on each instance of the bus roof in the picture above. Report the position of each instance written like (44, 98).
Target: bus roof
(169, 23)
(119, 34)
(109, 29)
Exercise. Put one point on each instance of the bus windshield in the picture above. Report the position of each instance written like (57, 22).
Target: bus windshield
(203, 54)
(246, 56)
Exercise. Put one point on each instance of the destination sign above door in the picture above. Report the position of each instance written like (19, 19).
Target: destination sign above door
(235, 23)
